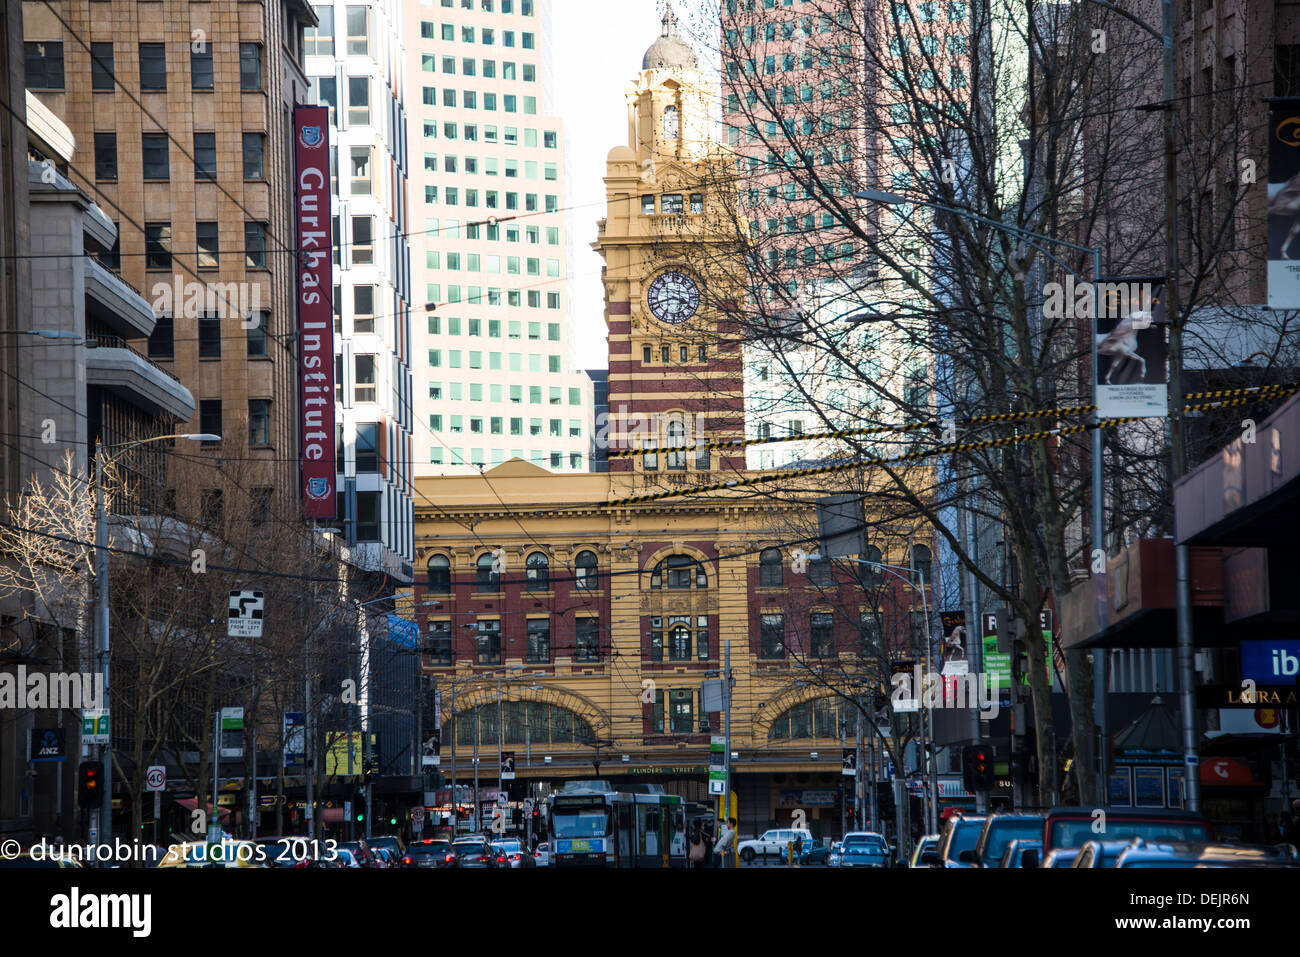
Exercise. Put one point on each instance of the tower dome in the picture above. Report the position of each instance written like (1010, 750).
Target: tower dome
(670, 51)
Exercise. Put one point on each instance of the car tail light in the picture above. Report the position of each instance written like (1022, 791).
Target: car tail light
(450, 857)
(515, 857)
(501, 859)
(406, 860)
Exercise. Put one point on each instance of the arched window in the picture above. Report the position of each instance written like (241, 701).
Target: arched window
(679, 640)
(820, 718)
(921, 565)
(439, 581)
(681, 571)
(872, 575)
(769, 568)
(486, 577)
(585, 571)
(676, 459)
(672, 123)
(538, 572)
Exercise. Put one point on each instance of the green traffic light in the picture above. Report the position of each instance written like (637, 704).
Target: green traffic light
(361, 817)
(392, 820)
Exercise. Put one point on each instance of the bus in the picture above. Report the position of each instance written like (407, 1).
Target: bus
(593, 825)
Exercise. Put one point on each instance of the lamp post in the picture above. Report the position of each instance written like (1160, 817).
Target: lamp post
(101, 606)
(1098, 492)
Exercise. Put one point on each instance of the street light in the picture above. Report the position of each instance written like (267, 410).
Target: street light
(1098, 500)
(101, 605)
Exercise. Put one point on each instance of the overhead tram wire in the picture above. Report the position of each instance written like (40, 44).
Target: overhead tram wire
(925, 424)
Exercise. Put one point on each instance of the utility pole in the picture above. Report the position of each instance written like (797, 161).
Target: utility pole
(1182, 559)
(844, 805)
(455, 798)
(214, 822)
(310, 757)
(474, 822)
(101, 620)
(726, 731)
(859, 803)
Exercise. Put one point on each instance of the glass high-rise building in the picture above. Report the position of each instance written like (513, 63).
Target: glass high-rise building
(356, 63)
(490, 243)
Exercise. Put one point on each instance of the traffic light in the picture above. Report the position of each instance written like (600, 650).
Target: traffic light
(977, 767)
(90, 776)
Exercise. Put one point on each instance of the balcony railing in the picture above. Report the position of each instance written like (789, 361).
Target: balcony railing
(117, 342)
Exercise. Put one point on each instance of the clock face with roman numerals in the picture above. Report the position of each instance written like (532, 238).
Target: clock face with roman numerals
(674, 297)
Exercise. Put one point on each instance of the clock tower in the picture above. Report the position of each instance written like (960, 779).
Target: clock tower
(675, 376)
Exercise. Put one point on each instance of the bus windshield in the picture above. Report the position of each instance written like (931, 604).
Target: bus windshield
(586, 821)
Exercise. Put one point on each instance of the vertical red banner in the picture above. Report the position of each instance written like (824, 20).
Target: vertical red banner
(315, 286)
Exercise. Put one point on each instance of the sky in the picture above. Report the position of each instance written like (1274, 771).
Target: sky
(597, 46)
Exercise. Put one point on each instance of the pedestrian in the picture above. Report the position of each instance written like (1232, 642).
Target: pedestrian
(706, 829)
(726, 846)
(798, 847)
(698, 848)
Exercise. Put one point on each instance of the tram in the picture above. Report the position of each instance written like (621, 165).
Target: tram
(592, 825)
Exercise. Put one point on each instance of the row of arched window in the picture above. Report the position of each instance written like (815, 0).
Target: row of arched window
(820, 571)
(675, 571)
(487, 572)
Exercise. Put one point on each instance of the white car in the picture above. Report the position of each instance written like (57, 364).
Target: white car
(771, 842)
(543, 854)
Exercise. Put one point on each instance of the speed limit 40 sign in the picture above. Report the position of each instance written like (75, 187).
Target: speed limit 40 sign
(155, 778)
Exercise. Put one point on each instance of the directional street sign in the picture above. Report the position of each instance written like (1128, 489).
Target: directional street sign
(244, 619)
(94, 726)
(155, 779)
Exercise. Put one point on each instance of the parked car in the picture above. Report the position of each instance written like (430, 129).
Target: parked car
(43, 860)
(1143, 853)
(999, 830)
(362, 851)
(1067, 827)
(473, 853)
(814, 854)
(925, 845)
(429, 853)
(342, 857)
(1061, 857)
(512, 854)
(771, 842)
(543, 854)
(1021, 853)
(865, 854)
(960, 833)
(391, 841)
(291, 852)
(1099, 853)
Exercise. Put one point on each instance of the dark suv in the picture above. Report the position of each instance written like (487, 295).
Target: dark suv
(959, 834)
(429, 853)
(1071, 826)
(999, 831)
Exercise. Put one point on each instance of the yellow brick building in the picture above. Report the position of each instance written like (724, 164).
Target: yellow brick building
(589, 622)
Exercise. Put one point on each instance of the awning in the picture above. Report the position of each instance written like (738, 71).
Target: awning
(1227, 773)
